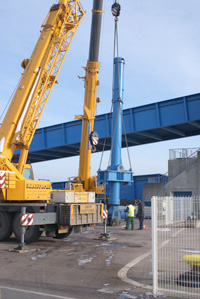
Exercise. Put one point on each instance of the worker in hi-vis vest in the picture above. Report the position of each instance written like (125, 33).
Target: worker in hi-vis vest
(130, 216)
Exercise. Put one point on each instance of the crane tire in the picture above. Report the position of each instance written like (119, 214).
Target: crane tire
(32, 233)
(62, 236)
(5, 226)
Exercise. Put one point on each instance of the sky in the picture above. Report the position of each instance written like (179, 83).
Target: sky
(160, 42)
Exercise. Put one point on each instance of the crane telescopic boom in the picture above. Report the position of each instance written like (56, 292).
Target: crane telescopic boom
(89, 138)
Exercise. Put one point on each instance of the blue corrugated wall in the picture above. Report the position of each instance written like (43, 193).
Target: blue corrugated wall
(134, 191)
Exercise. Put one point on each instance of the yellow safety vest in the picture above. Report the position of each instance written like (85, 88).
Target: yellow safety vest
(131, 211)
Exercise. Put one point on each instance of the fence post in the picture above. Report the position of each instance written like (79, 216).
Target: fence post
(154, 244)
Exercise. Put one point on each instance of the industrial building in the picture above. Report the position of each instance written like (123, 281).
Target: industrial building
(183, 176)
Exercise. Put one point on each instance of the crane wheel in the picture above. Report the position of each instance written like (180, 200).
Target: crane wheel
(62, 236)
(32, 233)
(5, 226)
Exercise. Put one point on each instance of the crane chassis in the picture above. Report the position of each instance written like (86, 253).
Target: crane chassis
(55, 212)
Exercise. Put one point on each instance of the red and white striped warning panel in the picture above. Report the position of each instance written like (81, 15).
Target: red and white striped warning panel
(95, 140)
(26, 219)
(2, 179)
(105, 214)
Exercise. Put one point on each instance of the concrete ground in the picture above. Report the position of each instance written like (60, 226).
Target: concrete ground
(80, 266)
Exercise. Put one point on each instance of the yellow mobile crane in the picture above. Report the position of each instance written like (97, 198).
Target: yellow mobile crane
(55, 215)
(89, 137)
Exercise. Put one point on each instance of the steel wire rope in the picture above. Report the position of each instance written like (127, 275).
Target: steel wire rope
(10, 98)
(115, 46)
(117, 41)
(124, 186)
(115, 36)
(104, 145)
(107, 128)
(126, 143)
(116, 49)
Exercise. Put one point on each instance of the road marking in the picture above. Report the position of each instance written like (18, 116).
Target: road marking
(122, 274)
(35, 293)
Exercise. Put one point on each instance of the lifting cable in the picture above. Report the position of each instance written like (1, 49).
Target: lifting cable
(104, 144)
(115, 9)
(116, 12)
(5, 109)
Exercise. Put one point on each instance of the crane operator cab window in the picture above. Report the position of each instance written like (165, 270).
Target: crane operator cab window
(28, 172)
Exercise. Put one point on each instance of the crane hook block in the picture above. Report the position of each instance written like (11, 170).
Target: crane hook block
(116, 9)
(94, 138)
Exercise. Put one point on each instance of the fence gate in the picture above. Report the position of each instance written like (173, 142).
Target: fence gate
(176, 246)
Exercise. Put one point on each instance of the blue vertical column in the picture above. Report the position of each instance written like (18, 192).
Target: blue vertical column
(115, 176)
(118, 91)
(116, 143)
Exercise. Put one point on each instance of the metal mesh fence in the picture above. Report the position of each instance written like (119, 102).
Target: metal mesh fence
(176, 246)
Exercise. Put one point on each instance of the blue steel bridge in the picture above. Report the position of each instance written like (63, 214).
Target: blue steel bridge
(161, 121)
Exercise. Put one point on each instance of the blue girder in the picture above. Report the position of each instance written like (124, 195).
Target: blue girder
(165, 120)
